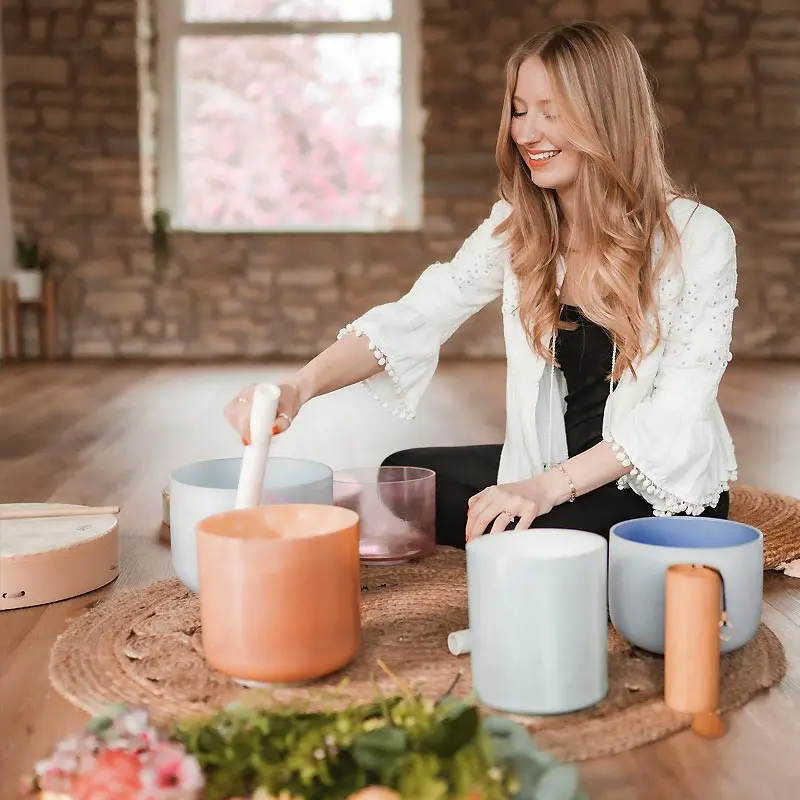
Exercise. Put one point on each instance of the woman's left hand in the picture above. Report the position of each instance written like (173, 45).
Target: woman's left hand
(524, 501)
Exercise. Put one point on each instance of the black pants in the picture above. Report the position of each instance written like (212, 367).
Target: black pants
(462, 472)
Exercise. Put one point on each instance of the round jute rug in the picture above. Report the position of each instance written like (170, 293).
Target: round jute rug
(777, 516)
(144, 647)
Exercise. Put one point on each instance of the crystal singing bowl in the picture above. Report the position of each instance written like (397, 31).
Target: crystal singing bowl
(209, 487)
(641, 550)
(396, 508)
(279, 592)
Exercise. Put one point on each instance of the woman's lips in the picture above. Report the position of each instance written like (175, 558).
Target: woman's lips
(541, 158)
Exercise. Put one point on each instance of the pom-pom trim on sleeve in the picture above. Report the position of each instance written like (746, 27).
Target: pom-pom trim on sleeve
(402, 408)
(657, 495)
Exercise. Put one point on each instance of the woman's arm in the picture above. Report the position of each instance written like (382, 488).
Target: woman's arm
(347, 361)
(394, 348)
(585, 472)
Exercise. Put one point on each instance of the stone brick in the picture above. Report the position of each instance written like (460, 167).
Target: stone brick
(115, 305)
(166, 349)
(685, 48)
(128, 207)
(66, 27)
(571, 10)
(311, 277)
(119, 49)
(114, 8)
(63, 250)
(22, 117)
(259, 277)
(786, 67)
(101, 268)
(56, 119)
(37, 28)
(132, 347)
(686, 9)
(622, 7)
(725, 70)
(212, 344)
(103, 348)
(42, 70)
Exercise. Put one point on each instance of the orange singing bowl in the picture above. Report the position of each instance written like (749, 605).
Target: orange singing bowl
(279, 592)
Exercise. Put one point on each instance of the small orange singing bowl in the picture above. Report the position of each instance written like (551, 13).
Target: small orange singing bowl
(280, 592)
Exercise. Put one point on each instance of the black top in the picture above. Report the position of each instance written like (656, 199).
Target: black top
(584, 356)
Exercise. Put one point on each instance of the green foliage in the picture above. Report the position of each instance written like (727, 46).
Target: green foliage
(540, 775)
(421, 749)
(29, 256)
(160, 239)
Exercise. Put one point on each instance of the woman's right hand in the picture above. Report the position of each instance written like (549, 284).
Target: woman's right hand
(238, 410)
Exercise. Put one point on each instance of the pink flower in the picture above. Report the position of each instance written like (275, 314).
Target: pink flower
(71, 757)
(171, 772)
(119, 757)
(114, 777)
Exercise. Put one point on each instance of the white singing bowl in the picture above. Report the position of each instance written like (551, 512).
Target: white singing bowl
(206, 488)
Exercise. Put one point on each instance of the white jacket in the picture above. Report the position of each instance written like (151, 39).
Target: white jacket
(666, 422)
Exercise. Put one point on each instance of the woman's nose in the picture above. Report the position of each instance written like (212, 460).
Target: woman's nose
(530, 135)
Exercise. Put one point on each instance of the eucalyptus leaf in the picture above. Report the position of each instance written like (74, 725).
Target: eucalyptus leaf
(375, 750)
(457, 727)
(510, 739)
(559, 782)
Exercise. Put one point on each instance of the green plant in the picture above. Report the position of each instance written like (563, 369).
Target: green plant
(29, 256)
(412, 747)
(420, 749)
(160, 238)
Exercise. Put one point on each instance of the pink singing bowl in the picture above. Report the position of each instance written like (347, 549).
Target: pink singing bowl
(279, 592)
(396, 508)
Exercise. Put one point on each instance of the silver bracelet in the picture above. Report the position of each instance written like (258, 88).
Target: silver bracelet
(572, 491)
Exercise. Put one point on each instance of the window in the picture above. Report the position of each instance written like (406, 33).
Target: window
(289, 115)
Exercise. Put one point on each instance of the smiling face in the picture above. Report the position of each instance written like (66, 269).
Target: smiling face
(537, 131)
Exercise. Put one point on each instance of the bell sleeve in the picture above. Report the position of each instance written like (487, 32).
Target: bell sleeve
(670, 438)
(407, 335)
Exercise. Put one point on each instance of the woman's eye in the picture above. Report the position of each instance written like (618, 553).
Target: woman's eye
(515, 113)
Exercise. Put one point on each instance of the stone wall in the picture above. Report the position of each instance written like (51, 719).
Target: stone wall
(729, 83)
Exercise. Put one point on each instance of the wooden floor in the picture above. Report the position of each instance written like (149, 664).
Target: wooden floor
(111, 434)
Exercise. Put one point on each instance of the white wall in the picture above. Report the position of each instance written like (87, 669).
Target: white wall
(6, 234)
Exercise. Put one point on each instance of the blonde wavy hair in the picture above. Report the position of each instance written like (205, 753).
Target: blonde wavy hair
(603, 96)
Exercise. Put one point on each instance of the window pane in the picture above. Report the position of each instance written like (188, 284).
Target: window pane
(285, 10)
(294, 131)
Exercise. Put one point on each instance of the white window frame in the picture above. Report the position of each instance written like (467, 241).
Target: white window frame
(405, 21)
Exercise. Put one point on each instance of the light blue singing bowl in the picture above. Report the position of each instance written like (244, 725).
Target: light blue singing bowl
(206, 488)
(641, 550)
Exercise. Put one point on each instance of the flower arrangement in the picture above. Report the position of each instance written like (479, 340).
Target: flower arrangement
(400, 748)
(118, 756)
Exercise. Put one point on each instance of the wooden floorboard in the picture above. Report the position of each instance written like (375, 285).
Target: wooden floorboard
(100, 434)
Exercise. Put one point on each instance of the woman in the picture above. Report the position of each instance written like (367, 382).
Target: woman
(617, 301)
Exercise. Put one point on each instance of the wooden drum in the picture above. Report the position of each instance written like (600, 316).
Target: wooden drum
(47, 559)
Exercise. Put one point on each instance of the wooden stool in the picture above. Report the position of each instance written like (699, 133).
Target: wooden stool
(12, 312)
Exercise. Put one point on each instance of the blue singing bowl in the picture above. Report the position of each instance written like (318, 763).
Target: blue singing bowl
(641, 550)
